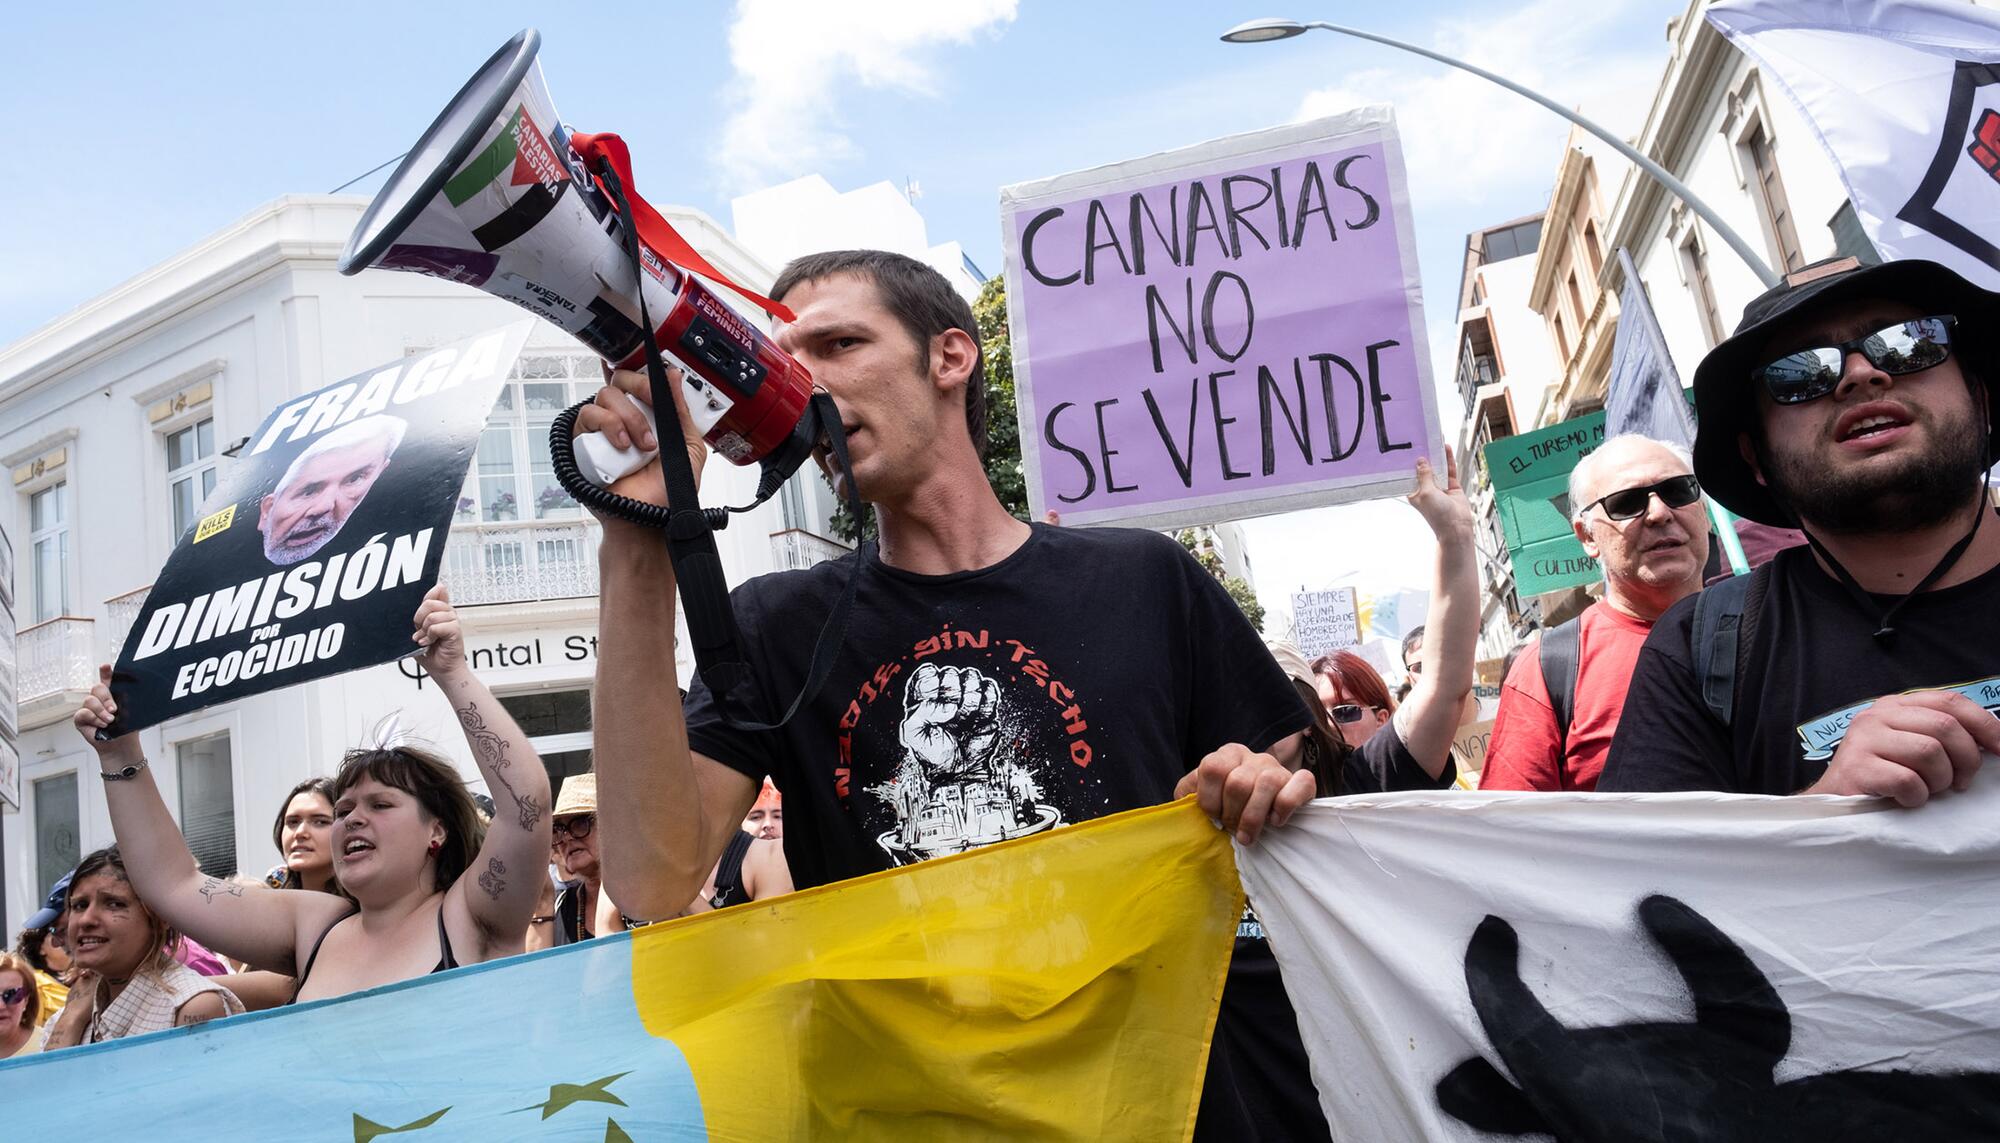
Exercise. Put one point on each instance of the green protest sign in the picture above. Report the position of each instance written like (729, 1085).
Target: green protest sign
(1530, 478)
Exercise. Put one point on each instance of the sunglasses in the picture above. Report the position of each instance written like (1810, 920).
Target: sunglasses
(1627, 503)
(11, 996)
(1345, 712)
(1904, 347)
(578, 827)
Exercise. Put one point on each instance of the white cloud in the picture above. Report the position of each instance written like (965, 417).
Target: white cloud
(1464, 138)
(1467, 142)
(792, 59)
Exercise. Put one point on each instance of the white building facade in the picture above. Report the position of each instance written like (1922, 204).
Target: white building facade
(1503, 369)
(115, 421)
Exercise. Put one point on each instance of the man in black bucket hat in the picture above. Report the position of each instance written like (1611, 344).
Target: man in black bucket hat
(1856, 403)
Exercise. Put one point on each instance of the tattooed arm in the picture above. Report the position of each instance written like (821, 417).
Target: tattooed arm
(495, 896)
(250, 923)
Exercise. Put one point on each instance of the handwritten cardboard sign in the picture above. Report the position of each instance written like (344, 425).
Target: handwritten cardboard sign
(1325, 621)
(1228, 330)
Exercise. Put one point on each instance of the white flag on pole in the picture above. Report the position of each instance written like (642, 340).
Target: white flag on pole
(1905, 97)
(1642, 967)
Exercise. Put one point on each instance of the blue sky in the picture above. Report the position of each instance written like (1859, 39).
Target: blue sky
(138, 129)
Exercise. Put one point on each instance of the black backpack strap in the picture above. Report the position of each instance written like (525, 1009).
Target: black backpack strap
(1725, 623)
(1560, 655)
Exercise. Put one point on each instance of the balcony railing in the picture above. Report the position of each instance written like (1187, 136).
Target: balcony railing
(796, 549)
(120, 613)
(512, 563)
(57, 667)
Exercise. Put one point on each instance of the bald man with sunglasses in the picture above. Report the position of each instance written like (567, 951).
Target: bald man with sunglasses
(1639, 513)
(1857, 404)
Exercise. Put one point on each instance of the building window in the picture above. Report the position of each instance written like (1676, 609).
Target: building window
(557, 724)
(208, 804)
(1694, 267)
(48, 541)
(513, 480)
(57, 842)
(1511, 241)
(792, 499)
(1576, 301)
(1777, 210)
(190, 471)
(1849, 239)
(1562, 338)
(1596, 248)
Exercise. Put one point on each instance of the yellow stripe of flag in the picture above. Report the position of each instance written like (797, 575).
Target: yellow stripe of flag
(1056, 987)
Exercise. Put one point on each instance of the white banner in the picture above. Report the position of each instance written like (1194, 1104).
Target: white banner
(1325, 621)
(1665, 966)
(1905, 97)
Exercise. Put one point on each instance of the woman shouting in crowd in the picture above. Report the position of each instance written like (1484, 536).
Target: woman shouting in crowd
(127, 981)
(428, 891)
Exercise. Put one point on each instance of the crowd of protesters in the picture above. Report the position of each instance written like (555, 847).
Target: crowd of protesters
(1854, 403)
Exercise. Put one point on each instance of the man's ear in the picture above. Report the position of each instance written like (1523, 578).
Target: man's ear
(1583, 537)
(264, 510)
(1747, 449)
(953, 354)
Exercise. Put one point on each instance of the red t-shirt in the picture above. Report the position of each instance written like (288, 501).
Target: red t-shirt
(1527, 751)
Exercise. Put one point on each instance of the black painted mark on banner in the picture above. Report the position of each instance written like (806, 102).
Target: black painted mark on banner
(521, 217)
(1710, 1080)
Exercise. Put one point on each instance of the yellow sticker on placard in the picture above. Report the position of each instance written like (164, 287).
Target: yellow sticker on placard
(219, 522)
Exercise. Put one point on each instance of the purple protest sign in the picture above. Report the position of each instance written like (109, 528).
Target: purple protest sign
(1228, 330)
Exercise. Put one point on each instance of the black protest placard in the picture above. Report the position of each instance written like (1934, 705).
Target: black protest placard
(321, 541)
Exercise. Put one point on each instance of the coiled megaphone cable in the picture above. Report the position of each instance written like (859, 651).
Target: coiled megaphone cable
(562, 459)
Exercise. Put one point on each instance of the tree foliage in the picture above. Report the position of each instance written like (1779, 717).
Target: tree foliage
(1202, 548)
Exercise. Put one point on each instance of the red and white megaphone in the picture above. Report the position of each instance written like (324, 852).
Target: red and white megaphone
(498, 194)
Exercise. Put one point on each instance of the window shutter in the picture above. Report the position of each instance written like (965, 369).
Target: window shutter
(208, 806)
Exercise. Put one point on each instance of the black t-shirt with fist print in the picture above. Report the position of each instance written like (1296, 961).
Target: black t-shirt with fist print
(1082, 675)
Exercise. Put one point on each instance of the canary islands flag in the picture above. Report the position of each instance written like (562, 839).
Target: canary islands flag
(1062, 986)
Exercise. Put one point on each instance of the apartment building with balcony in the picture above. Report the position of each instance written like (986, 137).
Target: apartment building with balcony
(116, 421)
(1503, 368)
(1739, 144)
(1575, 283)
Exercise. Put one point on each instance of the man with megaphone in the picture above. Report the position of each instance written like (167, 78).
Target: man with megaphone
(997, 678)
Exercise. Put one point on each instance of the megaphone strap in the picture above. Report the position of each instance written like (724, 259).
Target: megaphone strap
(690, 533)
(654, 230)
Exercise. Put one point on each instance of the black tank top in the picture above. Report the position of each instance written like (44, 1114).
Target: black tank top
(445, 960)
(729, 872)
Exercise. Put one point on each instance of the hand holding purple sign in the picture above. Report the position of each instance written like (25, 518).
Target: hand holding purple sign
(1228, 330)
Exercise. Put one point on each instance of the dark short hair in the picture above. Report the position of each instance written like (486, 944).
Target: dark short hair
(436, 786)
(28, 942)
(921, 300)
(1415, 636)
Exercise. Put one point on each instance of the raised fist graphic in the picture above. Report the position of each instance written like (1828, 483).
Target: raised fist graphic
(951, 721)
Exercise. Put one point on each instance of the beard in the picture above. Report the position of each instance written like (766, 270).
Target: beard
(1922, 492)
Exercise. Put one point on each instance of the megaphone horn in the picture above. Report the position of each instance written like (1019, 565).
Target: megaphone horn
(498, 195)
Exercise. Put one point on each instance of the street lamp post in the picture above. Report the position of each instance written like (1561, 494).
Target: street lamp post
(1258, 31)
